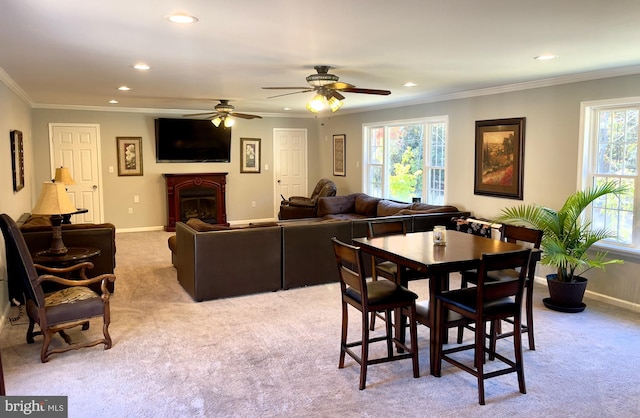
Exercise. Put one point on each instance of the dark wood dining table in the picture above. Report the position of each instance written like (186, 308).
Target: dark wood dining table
(417, 251)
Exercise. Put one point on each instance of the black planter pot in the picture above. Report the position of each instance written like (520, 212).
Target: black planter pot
(565, 296)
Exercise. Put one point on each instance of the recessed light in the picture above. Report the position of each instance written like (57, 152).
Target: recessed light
(286, 108)
(545, 57)
(409, 84)
(124, 88)
(182, 18)
(113, 101)
(141, 67)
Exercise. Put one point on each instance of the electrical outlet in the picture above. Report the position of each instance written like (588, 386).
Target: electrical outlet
(136, 199)
(130, 211)
(110, 169)
(253, 204)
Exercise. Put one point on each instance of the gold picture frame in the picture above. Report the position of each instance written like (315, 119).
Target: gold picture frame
(339, 155)
(499, 169)
(129, 156)
(250, 155)
(17, 160)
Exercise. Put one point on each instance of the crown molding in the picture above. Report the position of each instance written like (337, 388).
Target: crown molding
(14, 87)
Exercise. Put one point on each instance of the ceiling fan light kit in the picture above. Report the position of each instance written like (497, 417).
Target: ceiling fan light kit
(222, 114)
(327, 89)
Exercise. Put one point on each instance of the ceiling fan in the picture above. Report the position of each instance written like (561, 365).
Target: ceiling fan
(328, 89)
(224, 113)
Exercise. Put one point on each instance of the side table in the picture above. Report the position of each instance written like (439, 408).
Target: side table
(74, 255)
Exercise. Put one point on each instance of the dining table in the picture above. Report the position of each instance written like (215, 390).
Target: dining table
(418, 251)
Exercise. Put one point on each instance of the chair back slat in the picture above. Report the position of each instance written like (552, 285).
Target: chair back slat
(350, 268)
(491, 290)
(520, 234)
(19, 262)
(384, 228)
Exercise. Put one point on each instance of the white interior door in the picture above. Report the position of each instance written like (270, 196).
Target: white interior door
(77, 147)
(290, 161)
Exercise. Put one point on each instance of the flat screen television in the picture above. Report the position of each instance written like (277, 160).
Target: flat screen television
(191, 140)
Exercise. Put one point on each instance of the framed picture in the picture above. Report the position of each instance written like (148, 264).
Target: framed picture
(499, 158)
(339, 155)
(17, 160)
(129, 156)
(249, 155)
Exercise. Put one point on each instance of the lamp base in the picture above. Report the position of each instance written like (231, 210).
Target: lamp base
(57, 246)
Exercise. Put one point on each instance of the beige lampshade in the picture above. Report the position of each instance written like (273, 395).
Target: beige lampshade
(64, 176)
(53, 200)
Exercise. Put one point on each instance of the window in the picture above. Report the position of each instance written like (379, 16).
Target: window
(406, 159)
(610, 133)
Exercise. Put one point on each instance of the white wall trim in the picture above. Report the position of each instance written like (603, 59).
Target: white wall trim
(634, 307)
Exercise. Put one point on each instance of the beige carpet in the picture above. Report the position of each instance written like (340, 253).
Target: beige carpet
(276, 354)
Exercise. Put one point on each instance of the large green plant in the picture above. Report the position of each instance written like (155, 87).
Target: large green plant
(566, 238)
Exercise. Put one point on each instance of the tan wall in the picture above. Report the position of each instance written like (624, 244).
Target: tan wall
(150, 212)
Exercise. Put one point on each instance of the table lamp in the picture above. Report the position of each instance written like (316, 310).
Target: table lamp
(54, 201)
(63, 176)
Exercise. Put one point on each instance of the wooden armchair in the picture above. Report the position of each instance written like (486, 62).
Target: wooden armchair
(59, 310)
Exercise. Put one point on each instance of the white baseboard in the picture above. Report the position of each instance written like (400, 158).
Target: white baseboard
(625, 304)
(141, 229)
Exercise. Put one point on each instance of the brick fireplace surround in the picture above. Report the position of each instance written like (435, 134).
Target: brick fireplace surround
(196, 195)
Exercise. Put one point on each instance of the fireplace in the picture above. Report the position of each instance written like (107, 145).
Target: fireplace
(199, 195)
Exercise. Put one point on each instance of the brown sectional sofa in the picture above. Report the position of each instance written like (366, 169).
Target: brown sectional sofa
(215, 262)
(37, 234)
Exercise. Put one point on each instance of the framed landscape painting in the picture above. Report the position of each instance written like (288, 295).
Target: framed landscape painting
(17, 160)
(499, 163)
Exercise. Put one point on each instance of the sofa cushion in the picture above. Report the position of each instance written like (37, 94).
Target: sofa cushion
(202, 226)
(331, 205)
(388, 208)
(366, 205)
(433, 209)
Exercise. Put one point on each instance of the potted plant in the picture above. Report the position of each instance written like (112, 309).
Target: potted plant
(565, 241)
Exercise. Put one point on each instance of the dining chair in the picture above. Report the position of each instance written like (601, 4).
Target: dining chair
(372, 296)
(489, 301)
(384, 268)
(517, 235)
(73, 305)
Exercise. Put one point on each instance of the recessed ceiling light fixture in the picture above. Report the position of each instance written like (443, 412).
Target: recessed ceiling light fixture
(182, 18)
(545, 57)
(113, 101)
(141, 67)
(409, 84)
(124, 88)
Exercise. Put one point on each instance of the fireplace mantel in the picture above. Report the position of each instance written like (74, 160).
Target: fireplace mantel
(210, 187)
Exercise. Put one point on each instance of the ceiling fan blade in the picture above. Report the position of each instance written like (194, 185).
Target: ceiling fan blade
(295, 92)
(336, 94)
(339, 85)
(200, 114)
(244, 116)
(366, 91)
(285, 88)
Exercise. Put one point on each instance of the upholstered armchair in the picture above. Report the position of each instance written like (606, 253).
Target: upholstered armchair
(306, 207)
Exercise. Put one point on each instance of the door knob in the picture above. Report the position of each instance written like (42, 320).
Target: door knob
(95, 187)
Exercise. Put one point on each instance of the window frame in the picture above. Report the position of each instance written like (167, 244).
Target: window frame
(587, 163)
(427, 122)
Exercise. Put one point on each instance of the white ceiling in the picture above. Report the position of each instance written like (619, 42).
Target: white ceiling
(71, 53)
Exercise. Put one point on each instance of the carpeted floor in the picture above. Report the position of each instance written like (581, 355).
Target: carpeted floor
(276, 354)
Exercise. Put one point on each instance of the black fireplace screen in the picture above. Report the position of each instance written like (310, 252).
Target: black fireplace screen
(198, 202)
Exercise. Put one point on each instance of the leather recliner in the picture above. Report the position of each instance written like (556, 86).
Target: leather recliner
(306, 207)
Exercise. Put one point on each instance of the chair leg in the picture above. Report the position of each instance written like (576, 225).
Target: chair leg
(479, 359)
(343, 337)
(529, 311)
(413, 331)
(30, 333)
(44, 356)
(517, 348)
(389, 334)
(364, 356)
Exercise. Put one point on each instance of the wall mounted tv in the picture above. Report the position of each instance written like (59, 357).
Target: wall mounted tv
(191, 140)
